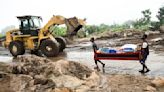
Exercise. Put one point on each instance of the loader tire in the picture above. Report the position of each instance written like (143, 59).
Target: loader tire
(49, 48)
(62, 43)
(16, 48)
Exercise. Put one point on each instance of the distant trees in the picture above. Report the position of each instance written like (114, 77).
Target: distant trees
(96, 28)
(1, 35)
(62, 31)
(3, 31)
(144, 22)
(160, 16)
(147, 17)
(58, 31)
(155, 25)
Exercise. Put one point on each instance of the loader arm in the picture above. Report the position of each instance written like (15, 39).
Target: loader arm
(73, 25)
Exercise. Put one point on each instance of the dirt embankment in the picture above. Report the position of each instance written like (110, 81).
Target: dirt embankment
(115, 39)
(36, 74)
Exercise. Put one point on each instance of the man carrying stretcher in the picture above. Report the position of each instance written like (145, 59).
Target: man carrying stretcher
(144, 54)
(140, 55)
(95, 48)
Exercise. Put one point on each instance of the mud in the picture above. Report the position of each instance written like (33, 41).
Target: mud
(30, 73)
(60, 74)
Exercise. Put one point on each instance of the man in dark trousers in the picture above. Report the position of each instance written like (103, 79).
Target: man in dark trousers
(95, 48)
(144, 54)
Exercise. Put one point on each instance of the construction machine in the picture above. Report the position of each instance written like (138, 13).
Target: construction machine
(30, 35)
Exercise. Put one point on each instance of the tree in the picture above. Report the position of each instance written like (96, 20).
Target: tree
(146, 16)
(156, 24)
(58, 31)
(144, 22)
(160, 15)
(103, 27)
(91, 28)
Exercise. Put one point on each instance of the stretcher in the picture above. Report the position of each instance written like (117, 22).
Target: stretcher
(118, 56)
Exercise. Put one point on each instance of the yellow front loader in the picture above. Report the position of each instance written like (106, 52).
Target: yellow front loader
(31, 36)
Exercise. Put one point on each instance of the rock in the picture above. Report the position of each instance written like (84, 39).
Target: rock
(150, 89)
(32, 60)
(93, 80)
(62, 90)
(159, 47)
(67, 81)
(30, 73)
(14, 83)
(156, 39)
(3, 75)
(82, 88)
(5, 67)
(158, 82)
(73, 68)
(149, 33)
(40, 80)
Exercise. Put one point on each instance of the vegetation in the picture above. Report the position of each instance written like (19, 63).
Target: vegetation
(1, 35)
(156, 24)
(144, 23)
(160, 16)
(103, 27)
(59, 31)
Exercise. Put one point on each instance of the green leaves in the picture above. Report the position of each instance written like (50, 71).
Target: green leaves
(58, 31)
(160, 15)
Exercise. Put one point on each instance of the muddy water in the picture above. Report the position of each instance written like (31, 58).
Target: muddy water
(5, 55)
(155, 62)
(83, 53)
(6, 59)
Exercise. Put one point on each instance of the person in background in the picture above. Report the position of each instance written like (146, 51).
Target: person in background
(95, 48)
(144, 54)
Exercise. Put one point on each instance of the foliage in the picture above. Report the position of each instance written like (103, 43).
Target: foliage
(155, 25)
(97, 28)
(144, 22)
(81, 34)
(103, 27)
(1, 35)
(160, 15)
(147, 16)
(58, 31)
(117, 27)
(92, 28)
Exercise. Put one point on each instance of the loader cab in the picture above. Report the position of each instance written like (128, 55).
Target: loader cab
(29, 25)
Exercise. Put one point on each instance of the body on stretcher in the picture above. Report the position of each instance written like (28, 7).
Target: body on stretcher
(125, 53)
(118, 56)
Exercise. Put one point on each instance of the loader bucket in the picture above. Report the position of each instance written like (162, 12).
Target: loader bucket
(76, 30)
(73, 26)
